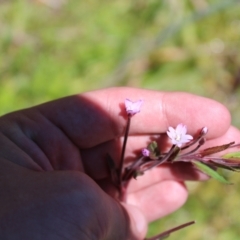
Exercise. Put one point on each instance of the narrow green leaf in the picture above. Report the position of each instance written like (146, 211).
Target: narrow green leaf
(232, 155)
(224, 166)
(175, 153)
(154, 150)
(210, 172)
(137, 173)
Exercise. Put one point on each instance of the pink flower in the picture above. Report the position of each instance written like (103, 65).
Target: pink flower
(178, 135)
(132, 107)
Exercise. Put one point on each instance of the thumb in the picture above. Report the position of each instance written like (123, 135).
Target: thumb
(138, 222)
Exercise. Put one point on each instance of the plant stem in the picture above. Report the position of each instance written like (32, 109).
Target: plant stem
(168, 232)
(129, 174)
(123, 150)
(164, 159)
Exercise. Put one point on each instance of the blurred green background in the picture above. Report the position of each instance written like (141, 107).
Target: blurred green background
(53, 48)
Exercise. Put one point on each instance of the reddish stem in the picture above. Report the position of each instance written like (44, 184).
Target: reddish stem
(124, 148)
(168, 232)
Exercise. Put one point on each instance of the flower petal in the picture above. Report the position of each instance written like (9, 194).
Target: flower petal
(181, 129)
(133, 107)
(178, 136)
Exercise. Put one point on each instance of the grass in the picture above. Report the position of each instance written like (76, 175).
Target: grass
(49, 51)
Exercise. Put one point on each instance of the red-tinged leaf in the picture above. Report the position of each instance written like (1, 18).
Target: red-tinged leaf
(112, 169)
(210, 172)
(231, 164)
(212, 150)
(224, 166)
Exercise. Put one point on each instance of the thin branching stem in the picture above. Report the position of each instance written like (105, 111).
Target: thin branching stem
(200, 137)
(164, 159)
(132, 168)
(194, 150)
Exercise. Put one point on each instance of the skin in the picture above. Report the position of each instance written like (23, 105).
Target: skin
(54, 180)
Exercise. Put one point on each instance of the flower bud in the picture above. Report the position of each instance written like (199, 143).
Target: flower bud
(204, 131)
(145, 152)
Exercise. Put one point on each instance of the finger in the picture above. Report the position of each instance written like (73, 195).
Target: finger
(178, 171)
(138, 222)
(66, 204)
(35, 143)
(95, 159)
(159, 199)
(232, 135)
(95, 117)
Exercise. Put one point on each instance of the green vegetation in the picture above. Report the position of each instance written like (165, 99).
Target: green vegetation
(51, 49)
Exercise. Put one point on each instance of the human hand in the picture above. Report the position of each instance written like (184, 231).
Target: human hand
(54, 174)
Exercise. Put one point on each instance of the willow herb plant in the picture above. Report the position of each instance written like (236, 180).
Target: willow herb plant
(151, 156)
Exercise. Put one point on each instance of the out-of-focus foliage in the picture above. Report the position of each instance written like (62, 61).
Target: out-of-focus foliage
(53, 48)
